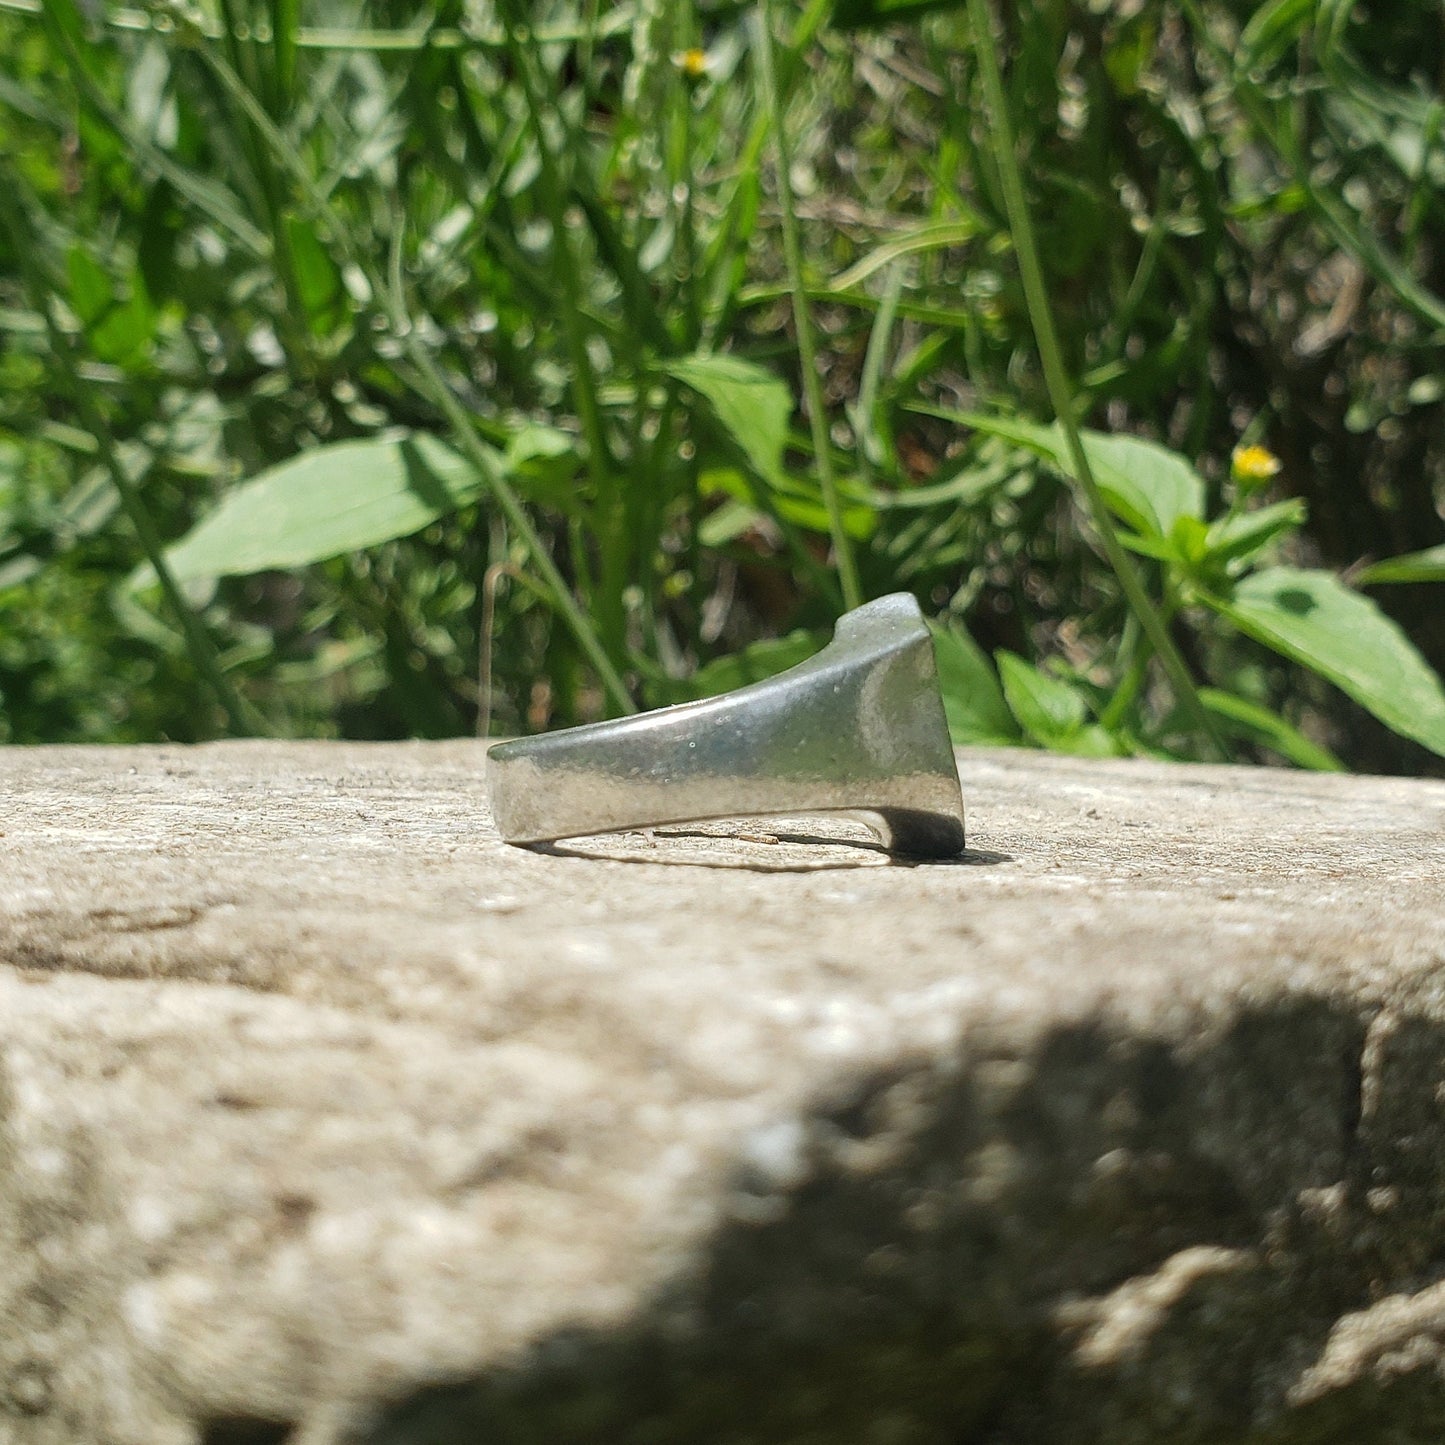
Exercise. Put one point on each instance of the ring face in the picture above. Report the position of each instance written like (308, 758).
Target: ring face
(857, 728)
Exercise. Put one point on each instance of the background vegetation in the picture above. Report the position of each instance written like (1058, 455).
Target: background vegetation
(375, 369)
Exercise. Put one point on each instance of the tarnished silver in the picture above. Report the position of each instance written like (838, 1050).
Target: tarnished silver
(858, 728)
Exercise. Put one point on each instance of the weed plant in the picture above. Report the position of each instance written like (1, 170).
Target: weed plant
(381, 369)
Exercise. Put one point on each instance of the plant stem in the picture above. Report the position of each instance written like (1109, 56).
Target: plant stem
(242, 718)
(1061, 396)
(802, 313)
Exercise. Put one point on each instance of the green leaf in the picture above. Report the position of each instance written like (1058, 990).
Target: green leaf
(1261, 725)
(1272, 29)
(1426, 566)
(336, 499)
(1048, 709)
(790, 503)
(972, 484)
(317, 279)
(115, 329)
(1190, 538)
(930, 236)
(1052, 713)
(1316, 620)
(1147, 485)
(749, 401)
(972, 697)
(91, 293)
(546, 467)
(1233, 539)
(754, 663)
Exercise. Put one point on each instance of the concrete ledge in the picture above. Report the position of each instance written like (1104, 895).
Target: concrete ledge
(325, 1116)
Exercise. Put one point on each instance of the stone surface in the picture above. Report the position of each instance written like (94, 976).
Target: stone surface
(325, 1117)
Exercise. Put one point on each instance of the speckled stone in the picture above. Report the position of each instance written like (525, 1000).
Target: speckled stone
(326, 1117)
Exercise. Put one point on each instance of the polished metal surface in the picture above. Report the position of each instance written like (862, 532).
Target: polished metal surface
(859, 728)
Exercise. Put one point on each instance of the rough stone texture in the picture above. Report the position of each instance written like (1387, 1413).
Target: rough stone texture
(325, 1117)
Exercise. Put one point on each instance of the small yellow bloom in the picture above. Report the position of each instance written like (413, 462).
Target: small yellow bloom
(693, 63)
(1253, 466)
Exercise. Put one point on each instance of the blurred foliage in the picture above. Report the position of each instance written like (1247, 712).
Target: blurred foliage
(453, 350)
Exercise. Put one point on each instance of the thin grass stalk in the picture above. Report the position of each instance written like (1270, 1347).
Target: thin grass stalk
(802, 312)
(1061, 394)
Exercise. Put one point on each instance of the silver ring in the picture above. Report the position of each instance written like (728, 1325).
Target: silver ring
(859, 728)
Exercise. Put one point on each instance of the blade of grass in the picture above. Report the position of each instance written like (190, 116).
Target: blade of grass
(865, 420)
(802, 313)
(1061, 395)
(285, 22)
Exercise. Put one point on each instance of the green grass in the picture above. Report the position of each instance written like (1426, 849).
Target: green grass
(696, 294)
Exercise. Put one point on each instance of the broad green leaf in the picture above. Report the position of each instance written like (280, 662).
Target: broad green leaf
(335, 499)
(125, 332)
(1047, 708)
(1262, 725)
(1235, 538)
(1316, 620)
(749, 401)
(1156, 547)
(859, 523)
(1147, 485)
(1051, 712)
(972, 697)
(1426, 566)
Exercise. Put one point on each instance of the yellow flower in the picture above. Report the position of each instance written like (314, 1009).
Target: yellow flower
(693, 63)
(1252, 467)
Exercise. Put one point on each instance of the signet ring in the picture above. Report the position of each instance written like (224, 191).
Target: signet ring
(858, 729)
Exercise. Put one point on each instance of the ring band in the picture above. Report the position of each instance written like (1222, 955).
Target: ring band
(859, 728)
